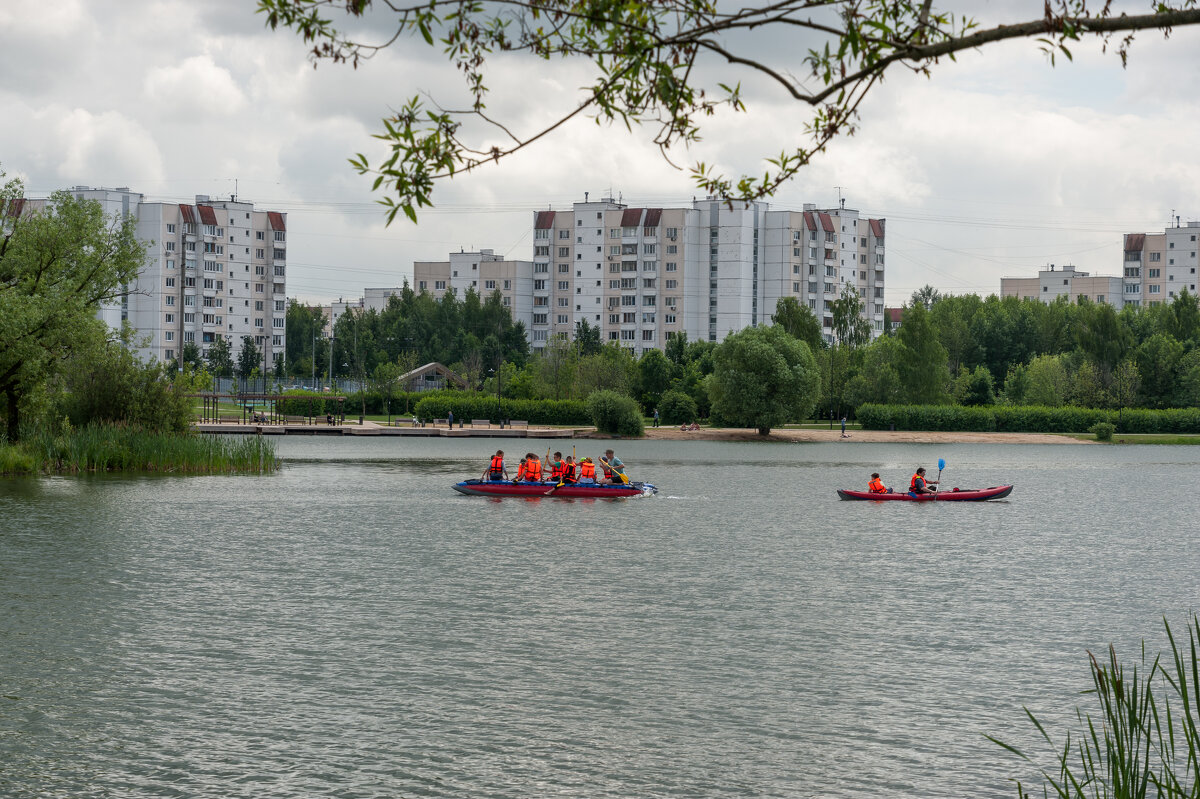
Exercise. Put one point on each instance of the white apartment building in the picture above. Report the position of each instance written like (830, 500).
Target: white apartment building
(1067, 281)
(483, 271)
(216, 268)
(1158, 266)
(708, 270)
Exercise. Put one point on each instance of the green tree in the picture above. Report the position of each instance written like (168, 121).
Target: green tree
(249, 358)
(799, 321)
(763, 378)
(1158, 363)
(878, 380)
(654, 377)
(189, 356)
(1047, 381)
(649, 61)
(850, 331)
(103, 381)
(1126, 384)
(587, 338)
(975, 388)
(676, 407)
(57, 267)
(1184, 317)
(1016, 385)
(1088, 387)
(220, 357)
(922, 362)
(926, 296)
(1100, 334)
(386, 380)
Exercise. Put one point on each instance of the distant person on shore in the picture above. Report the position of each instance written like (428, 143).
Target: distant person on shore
(614, 469)
(450, 418)
(844, 428)
(919, 485)
(876, 485)
(496, 469)
(656, 417)
(587, 472)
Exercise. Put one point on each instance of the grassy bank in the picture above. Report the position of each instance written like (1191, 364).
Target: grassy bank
(120, 449)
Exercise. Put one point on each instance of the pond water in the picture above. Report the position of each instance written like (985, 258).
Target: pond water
(351, 627)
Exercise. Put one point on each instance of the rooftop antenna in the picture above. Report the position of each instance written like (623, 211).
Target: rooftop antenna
(1172, 217)
(585, 196)
(841, 202)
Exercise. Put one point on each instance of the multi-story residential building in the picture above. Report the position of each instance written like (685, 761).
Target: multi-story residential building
(641, 274)
(1160, 265)
(485, 272)
(707, 270)
(1156, 268)
(216, 268)
(1067, 281)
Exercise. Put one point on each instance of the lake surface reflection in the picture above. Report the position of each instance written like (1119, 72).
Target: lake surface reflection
(351, 627)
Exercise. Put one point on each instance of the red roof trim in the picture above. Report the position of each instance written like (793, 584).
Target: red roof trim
(810, 220)
(544, 220)
(1135, 242)
(877, 228)
(276, 220)
(15, 207)
(653, 217)
(827, 222)
(188, 216)
(207, 215)
(631, 217)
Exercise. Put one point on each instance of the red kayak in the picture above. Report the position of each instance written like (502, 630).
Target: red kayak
(950, 495)
(504, 488)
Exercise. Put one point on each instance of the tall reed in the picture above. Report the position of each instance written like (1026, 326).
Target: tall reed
(111, 448)
(1144, 740)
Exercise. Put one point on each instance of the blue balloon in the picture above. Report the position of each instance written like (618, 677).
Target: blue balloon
(941, 464)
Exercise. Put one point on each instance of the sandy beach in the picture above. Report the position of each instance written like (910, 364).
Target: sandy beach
(856, 436)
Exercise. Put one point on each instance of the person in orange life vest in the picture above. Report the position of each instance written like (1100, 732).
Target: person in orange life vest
(557, 467)
(520, 471)
(569, 470)
(587, 471)
(919, 485)
(533, 469)
(876, 485)
(496, 469)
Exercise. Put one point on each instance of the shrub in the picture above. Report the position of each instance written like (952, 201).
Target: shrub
(1103, 430)
(1027, 418)
(677, 407)
(466, 406)
(615, 413)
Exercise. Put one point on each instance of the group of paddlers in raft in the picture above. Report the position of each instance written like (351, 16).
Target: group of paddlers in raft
(560, 471)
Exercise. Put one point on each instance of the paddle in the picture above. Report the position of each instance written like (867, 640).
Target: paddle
(941, 465)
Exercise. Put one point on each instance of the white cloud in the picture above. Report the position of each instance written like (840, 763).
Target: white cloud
(196, 86)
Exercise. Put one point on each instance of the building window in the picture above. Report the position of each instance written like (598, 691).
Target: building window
(439, 285)
(170, 299)
(169, 335)
(541, 233)
(564, 285)
(564, 252)
(1154, 289)
(169, 318)
(489, 284)
(562, 319)
(277, 322)
(564, 269)
(563, 302)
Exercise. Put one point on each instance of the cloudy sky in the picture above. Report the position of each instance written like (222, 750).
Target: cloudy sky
(996, 166)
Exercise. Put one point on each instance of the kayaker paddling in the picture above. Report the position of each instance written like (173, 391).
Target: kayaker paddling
(919, 485)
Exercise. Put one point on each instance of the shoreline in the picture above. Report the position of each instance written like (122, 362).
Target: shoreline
(854, 436)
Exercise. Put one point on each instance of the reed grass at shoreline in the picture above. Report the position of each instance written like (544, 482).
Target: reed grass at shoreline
(122, 449)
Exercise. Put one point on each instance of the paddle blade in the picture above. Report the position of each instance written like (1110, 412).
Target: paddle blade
(941, 464)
